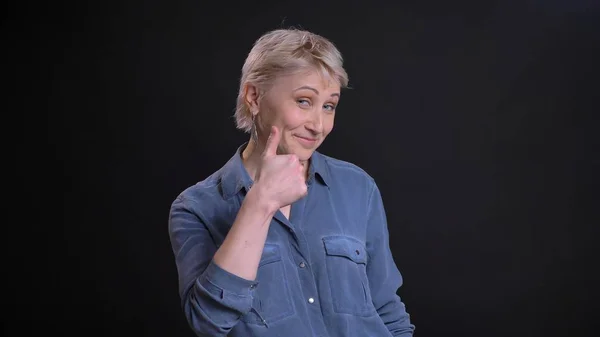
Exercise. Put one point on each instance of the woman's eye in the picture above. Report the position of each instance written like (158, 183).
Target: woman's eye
(303, 102)
(329, 107)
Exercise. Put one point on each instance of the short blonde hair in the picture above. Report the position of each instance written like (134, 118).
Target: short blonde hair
(283, 52)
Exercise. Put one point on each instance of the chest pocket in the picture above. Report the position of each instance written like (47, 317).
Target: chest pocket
(272, 296)
(346, 260)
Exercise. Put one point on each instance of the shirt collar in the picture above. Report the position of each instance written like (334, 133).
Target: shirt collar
(234, 176)
(319, 168)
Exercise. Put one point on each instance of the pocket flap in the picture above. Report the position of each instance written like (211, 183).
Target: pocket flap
(345, 246)
(270, 254)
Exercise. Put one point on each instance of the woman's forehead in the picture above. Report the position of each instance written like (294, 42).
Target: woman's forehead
(323, 83)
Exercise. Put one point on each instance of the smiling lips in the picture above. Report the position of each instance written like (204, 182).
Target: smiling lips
(306, 141)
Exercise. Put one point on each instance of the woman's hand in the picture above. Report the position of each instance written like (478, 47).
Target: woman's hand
(279, 178)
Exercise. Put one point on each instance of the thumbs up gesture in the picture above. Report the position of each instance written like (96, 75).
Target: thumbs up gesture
(280, 178)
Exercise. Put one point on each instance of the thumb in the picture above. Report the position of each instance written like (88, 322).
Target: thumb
(272, 142)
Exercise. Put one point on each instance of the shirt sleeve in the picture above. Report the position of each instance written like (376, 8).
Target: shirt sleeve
(213, 300)
(384, 277)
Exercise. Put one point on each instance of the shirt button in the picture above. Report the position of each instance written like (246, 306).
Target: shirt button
(311, 300)
(302, 265)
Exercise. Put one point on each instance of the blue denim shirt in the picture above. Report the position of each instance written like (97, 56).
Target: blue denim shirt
(327, 272)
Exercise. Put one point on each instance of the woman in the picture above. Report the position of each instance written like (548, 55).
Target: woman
(283, 240)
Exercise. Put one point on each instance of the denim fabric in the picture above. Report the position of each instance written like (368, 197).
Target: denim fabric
(327, 272)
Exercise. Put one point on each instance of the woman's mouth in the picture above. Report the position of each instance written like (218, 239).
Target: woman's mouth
(306, 141)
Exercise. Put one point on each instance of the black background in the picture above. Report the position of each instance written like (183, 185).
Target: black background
(475, 119)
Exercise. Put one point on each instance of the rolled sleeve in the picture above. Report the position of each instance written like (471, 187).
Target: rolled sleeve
(228, 281)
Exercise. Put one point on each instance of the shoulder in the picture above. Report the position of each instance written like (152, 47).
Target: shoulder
(345, 167)
(347, 173)
(202, 194)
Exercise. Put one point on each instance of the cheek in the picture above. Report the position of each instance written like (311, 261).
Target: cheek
(293, 119)
(269, 114)
(328, 124)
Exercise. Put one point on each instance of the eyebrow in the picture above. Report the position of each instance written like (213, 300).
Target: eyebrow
(315, 90)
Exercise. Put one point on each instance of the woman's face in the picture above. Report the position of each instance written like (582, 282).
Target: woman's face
(302, 106)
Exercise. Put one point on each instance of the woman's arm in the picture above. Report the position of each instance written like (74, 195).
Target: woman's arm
(216, 285)
(241, 250)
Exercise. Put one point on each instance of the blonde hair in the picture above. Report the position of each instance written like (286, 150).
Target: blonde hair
(283, 52)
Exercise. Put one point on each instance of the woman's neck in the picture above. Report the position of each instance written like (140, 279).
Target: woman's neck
(251, 158)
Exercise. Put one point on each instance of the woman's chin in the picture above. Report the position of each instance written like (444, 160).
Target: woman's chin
(303, 154)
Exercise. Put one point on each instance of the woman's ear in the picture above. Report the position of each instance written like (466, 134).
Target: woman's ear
(251, 97)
